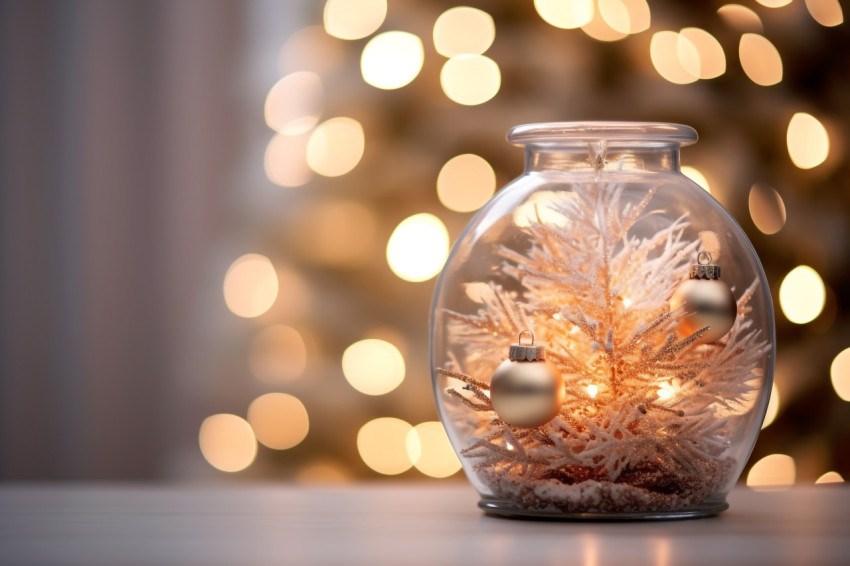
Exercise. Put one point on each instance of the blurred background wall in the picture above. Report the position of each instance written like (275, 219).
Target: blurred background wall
(197, 201)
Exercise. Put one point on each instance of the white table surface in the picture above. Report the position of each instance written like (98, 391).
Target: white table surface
(433, 524)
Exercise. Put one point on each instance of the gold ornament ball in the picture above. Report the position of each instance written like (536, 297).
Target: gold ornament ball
(707, 302)
(526, 394)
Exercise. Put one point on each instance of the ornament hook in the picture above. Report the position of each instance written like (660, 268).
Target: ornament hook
(530, 333)
(704, 258)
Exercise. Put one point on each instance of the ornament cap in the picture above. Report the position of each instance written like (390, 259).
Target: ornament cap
(704, 268)
(526, 352)
(705, 272)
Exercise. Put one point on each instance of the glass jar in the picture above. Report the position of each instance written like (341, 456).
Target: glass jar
(602, 336)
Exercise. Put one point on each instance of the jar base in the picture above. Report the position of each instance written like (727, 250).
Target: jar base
(502, 508)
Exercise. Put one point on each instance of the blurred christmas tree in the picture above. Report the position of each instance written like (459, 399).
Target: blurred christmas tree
(389, 124)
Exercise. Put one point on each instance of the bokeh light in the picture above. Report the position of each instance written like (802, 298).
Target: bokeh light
(565, 14)
(808, 141)
(772, 407)
(429, 449)
(336, 146)
(598, 27)
(709, 61)
(277, 354)
(382, 444)
(827, 13)
(773, 472)
(392, 59)
(373, 367)
(285, 160)
(766, 208)
(830, 477)
(773, 3)
(740, 18)
(839, 372)
(354, 19)
(470, 79)
(418, 247)
(463, 31)
(666, 50)
(465, 183)
(227, 442)
(760, 59)
(625, 16)
(279, 420)
(696, 176)
(802, 295)
(294, 103)
(250, 285)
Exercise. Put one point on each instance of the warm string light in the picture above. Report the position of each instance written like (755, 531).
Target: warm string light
(463, 31)
(599, 27)
(429, 449)
(250, 286)
(465, 183)
(808, 141)
(740, 18)
(772, 473)
(772, 407)
(827, 13)
(354, 19)
(565, 14)
(278, 420)
(382, 444)
(227, 442)
(336, 146)
(760, 59)
(392, 59)
(373, 367)
(285, 160)
(418, 247)
(666, 49)
(830, 477)
(767, 209)
(839, 373)
(802, 295)
(696, 176)
(470, 79)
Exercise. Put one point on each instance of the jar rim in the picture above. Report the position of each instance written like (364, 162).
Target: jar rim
(558, 133)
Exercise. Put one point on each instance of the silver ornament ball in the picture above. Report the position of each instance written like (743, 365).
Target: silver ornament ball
(526, 393)
(706, 302)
